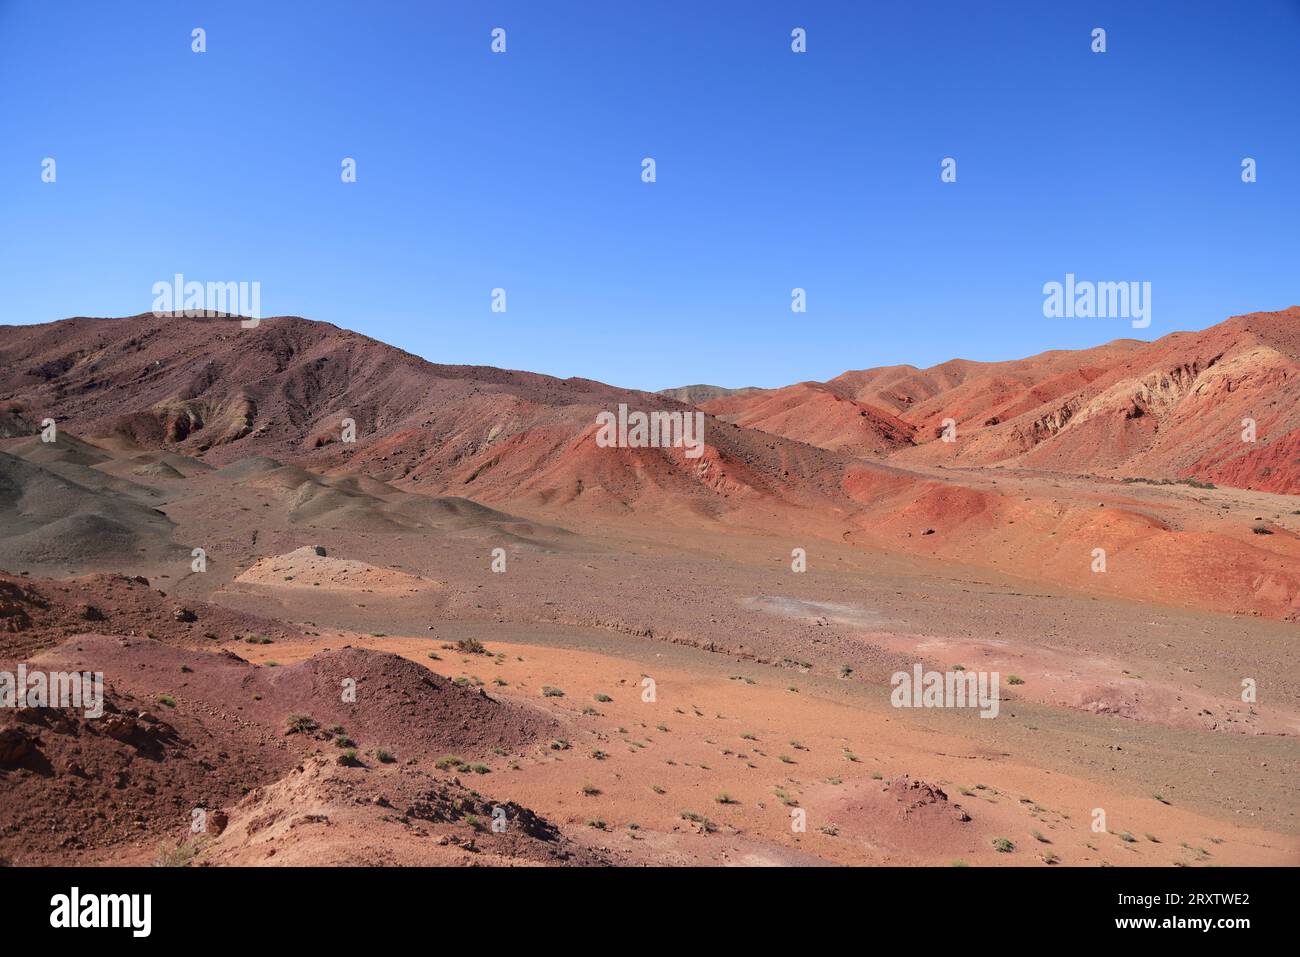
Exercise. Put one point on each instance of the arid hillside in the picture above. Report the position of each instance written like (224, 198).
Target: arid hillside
(1177, 408)
(1054, 457)
(311, 642)
(210, 388)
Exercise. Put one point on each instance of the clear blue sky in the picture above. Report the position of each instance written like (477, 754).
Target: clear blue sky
(775, 170)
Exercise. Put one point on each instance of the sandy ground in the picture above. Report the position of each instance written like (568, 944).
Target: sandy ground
(771, 738)
(742, 751)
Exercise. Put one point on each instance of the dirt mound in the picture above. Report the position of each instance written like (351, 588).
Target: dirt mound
(17, 601)
(306, 568)
(918, 797)
(87, 466)
(51, 522)
(157, 470)
(903, 814)
(399, 705)
(38, 613)
(183, 730)
(250, 468)
(380, 700)
(324, 814)
(78, 788)
(66, 448)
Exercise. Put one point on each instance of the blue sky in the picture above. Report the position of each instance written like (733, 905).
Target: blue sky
(775, 170)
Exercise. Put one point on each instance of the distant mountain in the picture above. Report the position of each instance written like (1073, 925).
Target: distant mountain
(696, 394)
(1176, 408)
(857, 460)
(212, 389)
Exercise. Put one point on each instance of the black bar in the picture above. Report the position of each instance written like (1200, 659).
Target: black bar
(333, 905)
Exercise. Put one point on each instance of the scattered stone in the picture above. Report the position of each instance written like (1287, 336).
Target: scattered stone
(16, 744)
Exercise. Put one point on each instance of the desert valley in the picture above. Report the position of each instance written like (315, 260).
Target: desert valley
(351, 606)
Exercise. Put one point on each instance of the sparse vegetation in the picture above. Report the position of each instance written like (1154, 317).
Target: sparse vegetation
(179, 855)
(1191, 482)
(301, 724)
(699, 820)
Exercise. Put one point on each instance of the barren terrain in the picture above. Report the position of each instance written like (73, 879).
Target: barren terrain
(370, 652)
